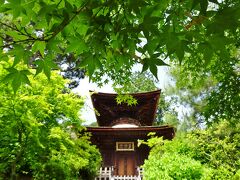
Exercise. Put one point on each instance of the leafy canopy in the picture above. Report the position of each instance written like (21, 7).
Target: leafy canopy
(106, 35)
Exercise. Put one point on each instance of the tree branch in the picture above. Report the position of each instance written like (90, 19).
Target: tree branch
(65, 22)
(17, 30)
(4, 24)
(20, 41)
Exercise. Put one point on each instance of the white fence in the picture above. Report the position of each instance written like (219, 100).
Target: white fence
(107, 173)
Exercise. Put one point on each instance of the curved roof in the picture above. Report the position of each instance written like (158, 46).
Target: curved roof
(108, 110)
(131, 132)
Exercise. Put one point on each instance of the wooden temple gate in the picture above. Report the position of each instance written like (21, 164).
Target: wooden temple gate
(120, 127)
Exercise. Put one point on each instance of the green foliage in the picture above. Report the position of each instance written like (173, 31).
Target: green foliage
(224, 100)
(40, 130)
(189, 92)
(165, 162)
(209, 95)
(170, 118)
(204, 154)
(173, 166)
(105, 35)
(139, 82)
(125, 98)
(221, 152)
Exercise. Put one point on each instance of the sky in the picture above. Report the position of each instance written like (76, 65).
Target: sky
(87, 112)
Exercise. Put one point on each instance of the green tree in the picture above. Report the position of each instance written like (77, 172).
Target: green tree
(105, 34)
(207, 96)
(41, 133)
(104, 37)
(190, 94)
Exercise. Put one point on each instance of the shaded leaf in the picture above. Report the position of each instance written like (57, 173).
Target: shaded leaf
(145, 66)
(154, 71)
(195, 3)
(17, 78)
(180, 51)
(39, 46)
(160, 62)
(20, 54)
(172, 43)
(76, 45)
(203, 5)
(91, 65)
(45, 65)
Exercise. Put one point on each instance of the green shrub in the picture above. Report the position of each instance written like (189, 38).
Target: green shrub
(202, 154)
(172, 166)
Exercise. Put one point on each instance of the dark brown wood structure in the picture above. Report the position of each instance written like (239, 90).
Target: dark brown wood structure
(120, 127)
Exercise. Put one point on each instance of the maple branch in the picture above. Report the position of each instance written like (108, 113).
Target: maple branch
(4, 24)
(17, 30)
(195, 20)
(20, 41)
(65, 22)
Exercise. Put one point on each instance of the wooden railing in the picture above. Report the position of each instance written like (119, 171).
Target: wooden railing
(107, 173)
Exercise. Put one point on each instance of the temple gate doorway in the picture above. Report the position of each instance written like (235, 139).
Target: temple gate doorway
(125, 164)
